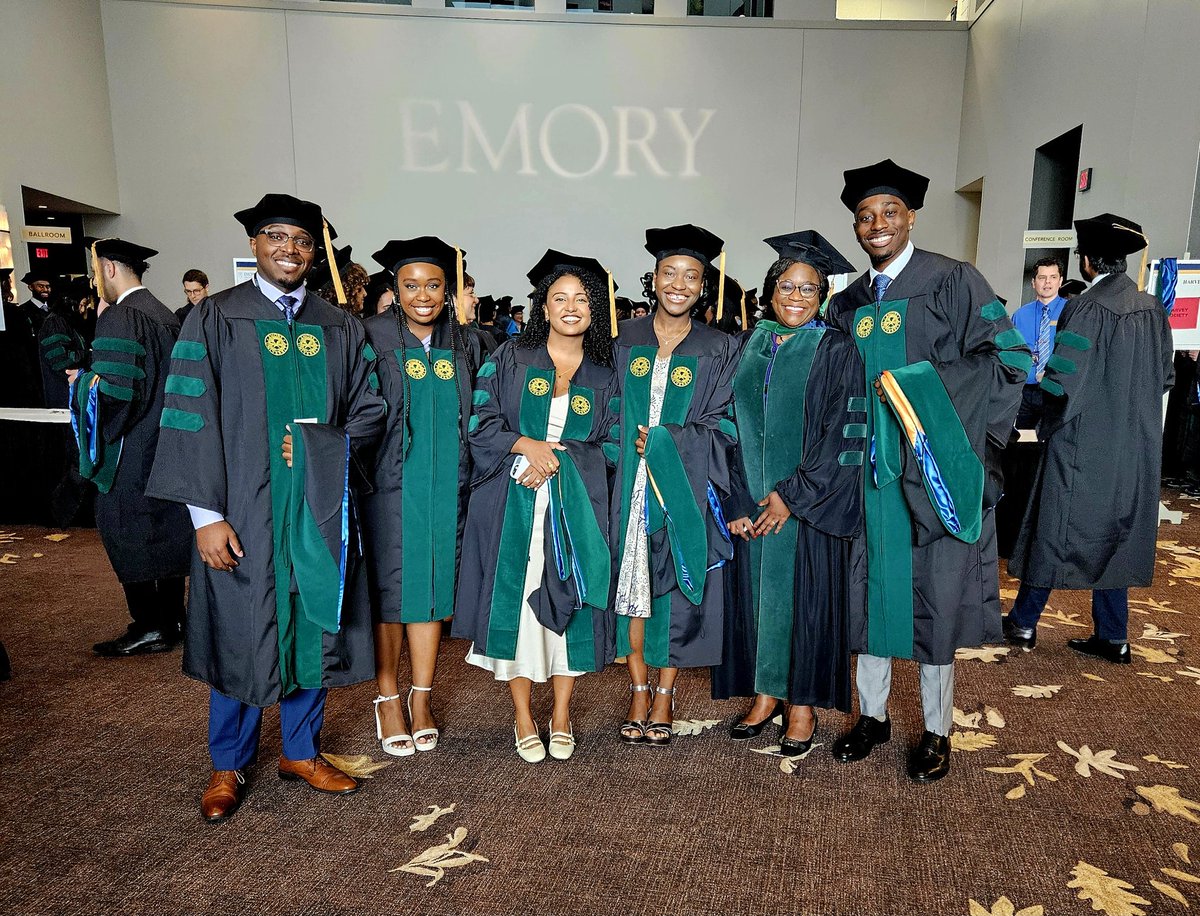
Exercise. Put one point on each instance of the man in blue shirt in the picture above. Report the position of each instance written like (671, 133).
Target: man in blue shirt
(1036, 321)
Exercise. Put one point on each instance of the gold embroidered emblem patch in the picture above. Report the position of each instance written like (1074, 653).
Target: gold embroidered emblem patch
(681, 376)
(308, 344)
(890, 323)
(640, 366)
(865, 326)
(443, 369)
(415, 369)
(581, 405)
(539, 387)
(276, 344)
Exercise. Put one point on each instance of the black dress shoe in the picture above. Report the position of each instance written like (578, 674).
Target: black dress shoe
(138, 642)
(931, 760)
(1022, 637)
(1117, 653)
(744, 731)
(861, 740)
(792, 747)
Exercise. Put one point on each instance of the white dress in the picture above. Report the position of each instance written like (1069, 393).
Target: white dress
(541, 653)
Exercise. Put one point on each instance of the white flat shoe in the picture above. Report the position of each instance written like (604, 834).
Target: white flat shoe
(530, 749)
(399, 745)
(422, 735)
(562, 744)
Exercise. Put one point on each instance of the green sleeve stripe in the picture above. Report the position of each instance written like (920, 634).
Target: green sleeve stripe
(611, 452)
(368, 351)
(1072, 340)
(54, 353)
(1061, 364)
(189, 349)
(373, 381)
(124, 370)
(1008, 340)
(614, 432)
(480, 397)
(854, 431)
(55, 338)
(846, 458)
(181, 419)
(186, 385)
(487, 370)
(60, 363)
(119, 345)
(1016, 359)
(614, 405)
(473, 423)
(857, 404)
(1051, 386)
(119, 392)
(728, 428)
(993, 310)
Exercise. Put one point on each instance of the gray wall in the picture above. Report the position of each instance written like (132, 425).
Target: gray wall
(1124, 70)
(364, 113)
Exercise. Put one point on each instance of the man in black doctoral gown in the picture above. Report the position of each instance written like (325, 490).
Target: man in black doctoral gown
(946, 367)
(148, 541)
(1092, 517)
(268, 400)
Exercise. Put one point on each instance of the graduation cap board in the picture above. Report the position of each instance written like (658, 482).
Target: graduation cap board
(292, 211)
(321, 274)
(553, 260)
(36, 275)
(883, 178)
(426, 249)
(813, 249)
(1112, 236)
(694, 242)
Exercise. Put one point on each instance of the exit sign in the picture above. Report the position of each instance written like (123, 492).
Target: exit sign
(41, 252)
(1085, 180)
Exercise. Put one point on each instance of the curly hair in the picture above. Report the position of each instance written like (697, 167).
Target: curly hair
(706, 300)
(777, 270)
(355, 279)
(597, 339)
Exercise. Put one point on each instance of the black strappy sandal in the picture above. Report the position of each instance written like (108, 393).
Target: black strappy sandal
(658, 734)
(633, 731)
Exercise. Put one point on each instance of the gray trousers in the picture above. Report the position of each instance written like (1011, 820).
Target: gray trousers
(874, 679)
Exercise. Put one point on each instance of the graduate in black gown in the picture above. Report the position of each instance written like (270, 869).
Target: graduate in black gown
(537, 569)
(675, 433)
(799, 404)
(268, 402)
(116, 407)
(414, 517)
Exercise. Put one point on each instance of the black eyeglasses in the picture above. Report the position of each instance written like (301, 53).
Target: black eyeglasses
(807, 290)
(279, 239)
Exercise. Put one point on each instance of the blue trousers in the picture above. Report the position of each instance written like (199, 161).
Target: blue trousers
(1110, 610)
(234, 726)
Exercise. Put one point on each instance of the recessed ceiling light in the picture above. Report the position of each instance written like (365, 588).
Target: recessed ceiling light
(49, 217)
(42, 207)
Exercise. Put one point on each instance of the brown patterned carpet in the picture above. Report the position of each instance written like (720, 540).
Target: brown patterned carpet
(103, 763)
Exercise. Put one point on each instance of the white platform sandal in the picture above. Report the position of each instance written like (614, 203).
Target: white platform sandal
(399, 745)
(422, 733)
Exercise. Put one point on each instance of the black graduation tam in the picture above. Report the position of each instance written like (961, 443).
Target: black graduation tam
(424, 250)
(812, 248)
(283, 208)
(1072, 288)
(320, 275)
(123, 251)
(36, 274)
(553, 260)
(884, 178)
(687, 240)
(5, 273)
(1108, 235)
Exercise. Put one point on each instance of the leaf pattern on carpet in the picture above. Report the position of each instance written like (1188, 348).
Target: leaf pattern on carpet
(1104, 762)
(10, 537)
(983, 654)
(1152, 604)
(1167, 800)
(10, 559)
(360, 766)
(1165, 678)
(971, 741)
(1178, 875)
(993, 717)
(1170, 765)
(1157, 633)
(1152, 655)
(965, 720)
(1037, 691)
(1093, 677)
(1026, 767)
(422, 822)
(1167, 891)
(1105, 893)
(61, 536)
(690, 728)
(1004, 907)
(1191, 671)
(433, 862)
(1067, 620)
(1182, 852)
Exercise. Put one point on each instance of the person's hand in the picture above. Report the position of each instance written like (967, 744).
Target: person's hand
(640, 442)
(743, 528)
(879, 391)
(774, 516)
(72, 374)
(543, 463)
(287, 449)
(218, 545)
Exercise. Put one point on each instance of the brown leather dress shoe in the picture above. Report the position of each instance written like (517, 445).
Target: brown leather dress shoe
(223, 795)
(322, 776)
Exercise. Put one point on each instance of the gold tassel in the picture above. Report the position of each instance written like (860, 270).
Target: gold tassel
(612, 305)
(1141, 284)
(721, 287)
(744, 326)
(96, 272)
(336, 274)
(460, 268)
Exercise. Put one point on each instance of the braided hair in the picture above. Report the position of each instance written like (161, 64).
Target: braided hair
(597, 339)
(706, 300)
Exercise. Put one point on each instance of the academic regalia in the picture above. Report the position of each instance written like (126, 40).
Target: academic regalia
(240, 375)
(61, 347)
(512, 398)
(688, 455)
(798, 406)
(414, 517)
(947, 339)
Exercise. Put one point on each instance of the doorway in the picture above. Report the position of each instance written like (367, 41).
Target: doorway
(1052, 194)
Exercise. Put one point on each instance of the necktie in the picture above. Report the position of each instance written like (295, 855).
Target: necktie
(882, 281)
(288, 304)
(1043, 342)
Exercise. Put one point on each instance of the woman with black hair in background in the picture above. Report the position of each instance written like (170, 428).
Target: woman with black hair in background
(413, 521)
(800, 405)
(545, 398)
(676, 377)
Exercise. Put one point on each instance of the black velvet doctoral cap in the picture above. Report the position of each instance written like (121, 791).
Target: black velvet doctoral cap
(123, 251)
(813, 249)
(283, 208)
(552, 260)
(320, 275)
(884, 178)
(33, 276)
(687, 240)
(1071, 288)
(1109, 235)
(423, 250)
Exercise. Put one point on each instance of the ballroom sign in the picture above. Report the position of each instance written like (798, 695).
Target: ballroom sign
(47, 235)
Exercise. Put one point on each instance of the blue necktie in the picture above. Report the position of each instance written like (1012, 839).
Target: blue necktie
(1043, 343)
(882, 281)
(288, 304)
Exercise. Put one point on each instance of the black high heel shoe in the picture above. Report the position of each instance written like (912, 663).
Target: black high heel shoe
(790, 747)
(744, 731)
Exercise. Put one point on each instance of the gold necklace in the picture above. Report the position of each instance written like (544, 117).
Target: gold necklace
(662, 345)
